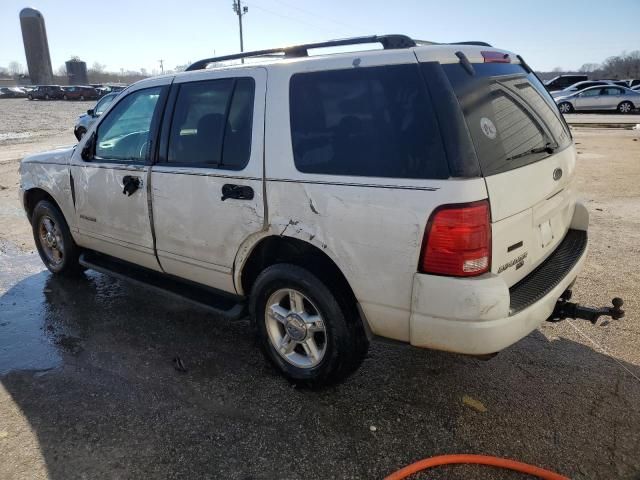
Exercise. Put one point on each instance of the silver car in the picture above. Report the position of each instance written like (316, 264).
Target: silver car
(87, 119)
(578, 87)
(624, 100)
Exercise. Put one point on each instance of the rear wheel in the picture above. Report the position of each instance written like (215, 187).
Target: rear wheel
(565, 107)
(625, 107)
(302, 327)
(56, 247)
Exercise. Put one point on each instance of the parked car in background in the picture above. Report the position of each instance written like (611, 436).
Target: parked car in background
(576, 87)
(80, 92)
(636, 88)
(87, 119)
(622, 99)
(12, 92)
(117, 88)
(46, 92)
(620, 83)
(563, 81)
(633, 82)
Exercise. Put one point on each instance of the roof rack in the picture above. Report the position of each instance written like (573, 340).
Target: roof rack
(472, 42)
(388, 42)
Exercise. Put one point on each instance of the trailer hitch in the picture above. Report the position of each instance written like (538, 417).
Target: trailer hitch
(566, 309)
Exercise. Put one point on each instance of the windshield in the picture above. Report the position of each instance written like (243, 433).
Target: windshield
(512, 119)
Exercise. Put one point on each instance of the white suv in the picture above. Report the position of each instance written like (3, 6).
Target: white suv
(419, 192)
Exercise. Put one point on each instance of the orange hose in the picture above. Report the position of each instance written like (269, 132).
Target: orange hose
(475, 459)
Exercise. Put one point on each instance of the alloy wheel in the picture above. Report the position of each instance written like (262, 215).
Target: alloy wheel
(51, 240)
(296, 328)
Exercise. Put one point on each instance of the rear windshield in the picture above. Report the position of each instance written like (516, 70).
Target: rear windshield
(512, 119)
(373, 121)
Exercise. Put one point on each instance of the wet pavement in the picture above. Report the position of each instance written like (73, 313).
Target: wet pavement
(87, 364)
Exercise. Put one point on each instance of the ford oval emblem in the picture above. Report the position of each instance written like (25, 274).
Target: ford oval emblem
(557, 174)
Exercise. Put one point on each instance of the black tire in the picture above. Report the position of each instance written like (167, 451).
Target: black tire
(64, 97)
(625, 107)
(46, 97)
(80, 133)
(346, 342)
(30, 97)
(565, 107)
(68, 264)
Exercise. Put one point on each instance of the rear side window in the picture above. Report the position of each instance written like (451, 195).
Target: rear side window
(512, 119)
(374, 121)
(211, 124)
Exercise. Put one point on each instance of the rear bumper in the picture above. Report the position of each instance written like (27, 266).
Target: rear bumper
(482, 315)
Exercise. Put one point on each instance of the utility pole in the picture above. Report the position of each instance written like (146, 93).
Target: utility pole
(240, 11)
(161, 66)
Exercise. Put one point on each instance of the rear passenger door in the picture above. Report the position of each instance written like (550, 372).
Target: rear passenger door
(610, 98)
(206, 186)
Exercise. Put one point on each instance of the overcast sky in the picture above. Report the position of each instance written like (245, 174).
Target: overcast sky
(134, 34)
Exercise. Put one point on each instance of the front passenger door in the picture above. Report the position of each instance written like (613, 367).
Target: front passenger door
(110, 183)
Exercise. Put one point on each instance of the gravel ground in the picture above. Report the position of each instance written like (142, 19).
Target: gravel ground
(87, 388)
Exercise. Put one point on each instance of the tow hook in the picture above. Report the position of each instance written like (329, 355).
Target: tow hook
(566, 309)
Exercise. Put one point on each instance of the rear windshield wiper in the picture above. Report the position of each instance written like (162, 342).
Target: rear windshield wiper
(548, 148)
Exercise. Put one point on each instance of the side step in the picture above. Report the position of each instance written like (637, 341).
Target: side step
(231, 307)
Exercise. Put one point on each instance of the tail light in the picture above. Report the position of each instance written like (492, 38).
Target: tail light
(457, 240)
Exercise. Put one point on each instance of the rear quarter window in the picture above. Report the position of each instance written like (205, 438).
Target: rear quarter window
(373, 121)
(510, 115)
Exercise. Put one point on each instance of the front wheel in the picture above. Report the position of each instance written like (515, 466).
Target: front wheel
(303, 328)
(565, 107)
(625, 107)
(54, 242)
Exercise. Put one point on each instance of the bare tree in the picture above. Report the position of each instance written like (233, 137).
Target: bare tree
(61, 71)
(97, 67)
(589, 67)
(15, 68)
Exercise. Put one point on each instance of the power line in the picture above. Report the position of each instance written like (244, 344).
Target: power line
(288, 17)
(315, 15)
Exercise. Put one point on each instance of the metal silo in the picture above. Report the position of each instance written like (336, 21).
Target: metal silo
(36, 47)
(76, 72)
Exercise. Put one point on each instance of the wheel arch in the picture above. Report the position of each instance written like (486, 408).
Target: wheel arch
(633, 104)
(273, 249)
(32, 196)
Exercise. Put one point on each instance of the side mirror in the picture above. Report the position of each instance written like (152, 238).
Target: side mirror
(88, 150)
(90, 112)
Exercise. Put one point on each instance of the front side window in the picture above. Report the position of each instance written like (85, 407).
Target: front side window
(211, 124)
(594, 92)
(374, 121)
(123, 135)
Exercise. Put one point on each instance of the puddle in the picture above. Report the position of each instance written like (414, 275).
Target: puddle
(23, 343)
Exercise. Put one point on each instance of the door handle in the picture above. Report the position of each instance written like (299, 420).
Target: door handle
(130, 184)
(239, 192)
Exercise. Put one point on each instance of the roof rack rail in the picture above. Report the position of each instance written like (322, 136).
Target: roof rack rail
(388, 42)
(472, 42)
